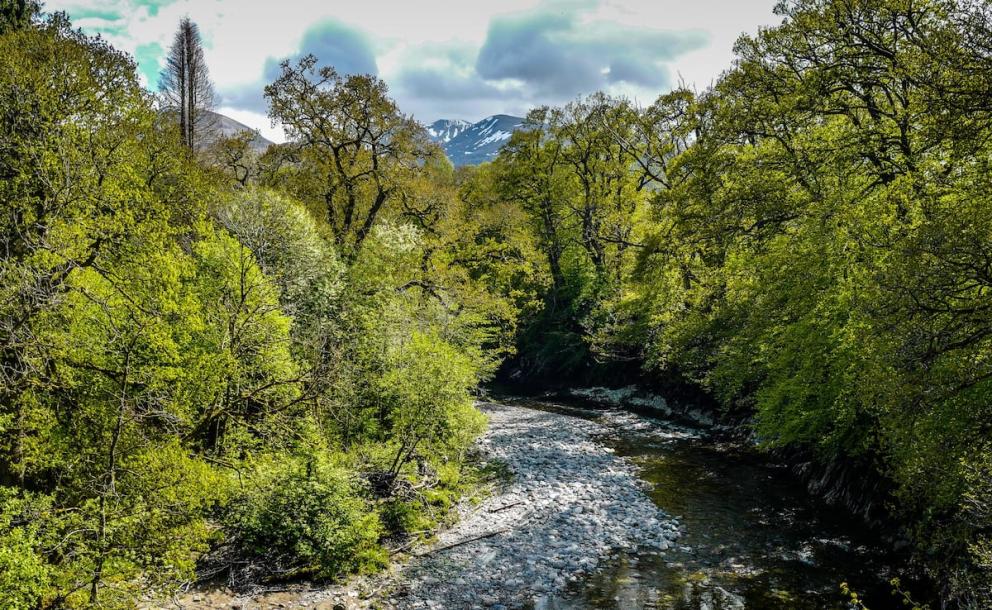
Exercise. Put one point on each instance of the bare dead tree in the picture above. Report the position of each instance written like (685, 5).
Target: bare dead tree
(186, 87)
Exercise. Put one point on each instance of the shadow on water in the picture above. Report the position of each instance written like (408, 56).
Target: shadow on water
(751, 535)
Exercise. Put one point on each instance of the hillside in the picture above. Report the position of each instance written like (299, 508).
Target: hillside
(227, 127)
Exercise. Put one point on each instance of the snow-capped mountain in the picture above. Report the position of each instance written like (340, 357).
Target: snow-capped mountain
(479, 142)
(444, 130)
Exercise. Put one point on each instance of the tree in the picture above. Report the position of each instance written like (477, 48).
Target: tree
(90, 411)
(427, 389)
(247, 337)
(186, 87)
(67, 186)
(17, 14)
(527, 172)
(234, 158)
(580, 173)
(356, 150)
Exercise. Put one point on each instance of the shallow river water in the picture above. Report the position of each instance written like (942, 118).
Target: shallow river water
(752, 537)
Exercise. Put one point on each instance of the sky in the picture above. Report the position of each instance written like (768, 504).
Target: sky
(452, 59)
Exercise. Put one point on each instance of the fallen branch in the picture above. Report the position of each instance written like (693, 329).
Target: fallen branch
(506, 506)
(461, 542)
(413, 540)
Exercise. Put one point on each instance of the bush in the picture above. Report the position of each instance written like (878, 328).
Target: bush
(430, 407)
(307, 517)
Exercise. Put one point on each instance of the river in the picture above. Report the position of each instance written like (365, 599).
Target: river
(752, 537)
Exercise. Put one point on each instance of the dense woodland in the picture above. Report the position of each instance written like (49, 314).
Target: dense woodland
(216, 360)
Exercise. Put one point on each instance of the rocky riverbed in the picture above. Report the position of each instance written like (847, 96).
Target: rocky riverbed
(570, 504)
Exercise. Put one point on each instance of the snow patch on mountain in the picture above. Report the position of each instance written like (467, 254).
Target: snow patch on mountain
(477, 142)
(499, 136)
(445, 130)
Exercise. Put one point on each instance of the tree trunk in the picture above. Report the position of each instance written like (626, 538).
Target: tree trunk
(111, 488)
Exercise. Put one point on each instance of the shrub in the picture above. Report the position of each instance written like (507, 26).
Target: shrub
(306, 517)
(427, 389)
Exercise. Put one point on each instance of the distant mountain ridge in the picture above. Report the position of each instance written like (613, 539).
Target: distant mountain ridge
(226, 127)
(472, 144)
(463, 142)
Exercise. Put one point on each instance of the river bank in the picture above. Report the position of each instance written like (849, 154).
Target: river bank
(570, 506)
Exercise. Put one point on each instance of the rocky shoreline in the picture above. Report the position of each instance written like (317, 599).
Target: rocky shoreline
(570, 505)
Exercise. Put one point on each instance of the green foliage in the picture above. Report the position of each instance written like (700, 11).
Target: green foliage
(248, 340)
(305, 515)
(354, 149)
(25, 576)
(425, 391)
(577, 173)
(288, 246)
(17, 14)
